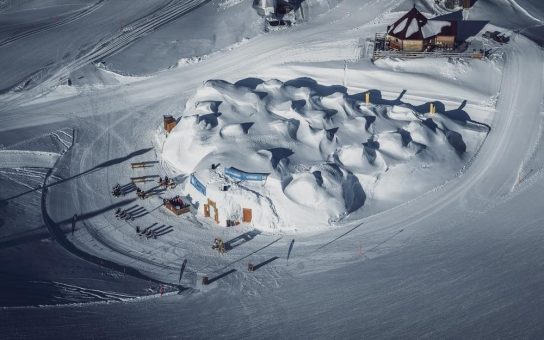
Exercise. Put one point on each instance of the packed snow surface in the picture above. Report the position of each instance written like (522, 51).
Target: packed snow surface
(447, 242)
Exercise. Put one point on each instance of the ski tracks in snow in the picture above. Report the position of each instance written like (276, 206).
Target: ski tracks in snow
(107, 46)
(51, 25)
(127, 35)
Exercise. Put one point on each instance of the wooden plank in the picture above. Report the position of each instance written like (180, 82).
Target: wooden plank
(141, 179)
(246, 215)
(147, 164)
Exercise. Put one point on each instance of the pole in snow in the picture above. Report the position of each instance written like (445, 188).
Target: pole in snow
(74, 220)
(345, 73)
(290, 249)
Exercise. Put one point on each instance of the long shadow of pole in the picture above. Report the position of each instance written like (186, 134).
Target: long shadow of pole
(96, 168)
(339, 237)
(262, 264)
(221, 276)
(248, 255)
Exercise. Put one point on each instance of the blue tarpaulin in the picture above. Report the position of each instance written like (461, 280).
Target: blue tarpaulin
(198, 185)
(244, 176)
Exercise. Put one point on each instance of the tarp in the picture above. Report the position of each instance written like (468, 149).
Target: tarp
(198, 185)
(244, 176)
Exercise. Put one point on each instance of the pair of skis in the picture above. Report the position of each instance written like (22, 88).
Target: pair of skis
(123, 215)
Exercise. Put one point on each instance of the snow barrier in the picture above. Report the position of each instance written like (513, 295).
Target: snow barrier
(244, 176)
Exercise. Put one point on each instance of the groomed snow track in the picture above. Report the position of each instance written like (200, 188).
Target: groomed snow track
(52, 25)
(106, 47)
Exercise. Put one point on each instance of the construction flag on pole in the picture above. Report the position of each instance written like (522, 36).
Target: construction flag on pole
(290, 249)
(182, 270)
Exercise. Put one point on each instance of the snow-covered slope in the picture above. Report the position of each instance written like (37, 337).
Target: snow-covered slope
(459, 257)
(224, 25)
(44, 39)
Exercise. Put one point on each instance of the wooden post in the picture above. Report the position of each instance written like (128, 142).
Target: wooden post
(367, 98)
(246, 215)
(169, 123)
(216, 213)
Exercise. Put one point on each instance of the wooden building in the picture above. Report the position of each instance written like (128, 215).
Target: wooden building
(265, 8)
(415, 33)
(274, 8)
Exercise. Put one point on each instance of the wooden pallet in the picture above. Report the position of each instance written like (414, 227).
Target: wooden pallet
(142, 165)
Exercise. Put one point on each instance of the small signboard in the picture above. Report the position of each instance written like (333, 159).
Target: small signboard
(198, 185)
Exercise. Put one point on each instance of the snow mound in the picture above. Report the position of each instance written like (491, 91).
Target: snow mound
(316, 155)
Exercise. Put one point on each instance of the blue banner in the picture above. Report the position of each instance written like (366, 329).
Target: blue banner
(244, 176)
(198, 185)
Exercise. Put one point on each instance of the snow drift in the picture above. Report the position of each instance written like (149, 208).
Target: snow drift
(326, 153)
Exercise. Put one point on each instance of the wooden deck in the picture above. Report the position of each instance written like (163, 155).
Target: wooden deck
(381, 50)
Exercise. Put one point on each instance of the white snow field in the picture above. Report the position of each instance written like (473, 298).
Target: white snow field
(378, 220)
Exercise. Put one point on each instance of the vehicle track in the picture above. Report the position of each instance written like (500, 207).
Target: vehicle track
(106, 47)
(49, 26)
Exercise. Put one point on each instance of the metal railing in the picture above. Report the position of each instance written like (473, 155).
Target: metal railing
(382, 50)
